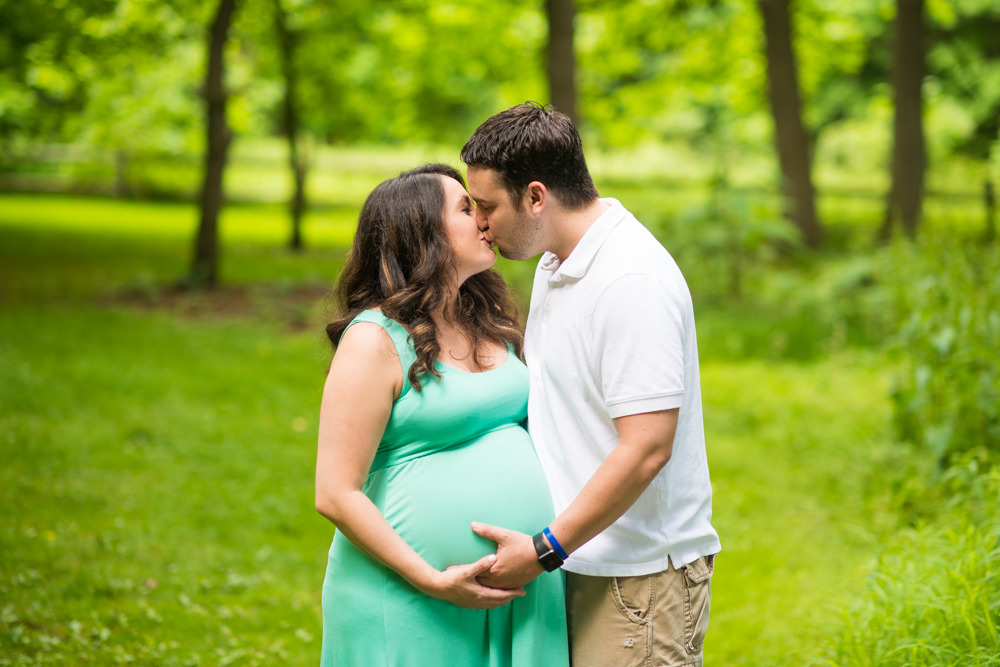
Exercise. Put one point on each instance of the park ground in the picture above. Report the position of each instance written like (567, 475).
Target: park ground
(158, 449)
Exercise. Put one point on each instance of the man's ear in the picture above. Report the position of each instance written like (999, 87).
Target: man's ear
(538, 196)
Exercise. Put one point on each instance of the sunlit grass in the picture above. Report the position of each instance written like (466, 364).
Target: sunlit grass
(265, 224)
(157, 496)
(74, 248)
(934, 599)
(790, 450)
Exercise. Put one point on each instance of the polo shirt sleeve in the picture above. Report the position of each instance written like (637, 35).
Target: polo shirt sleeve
(638, 338)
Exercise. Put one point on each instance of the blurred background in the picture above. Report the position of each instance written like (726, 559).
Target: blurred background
(180, 180)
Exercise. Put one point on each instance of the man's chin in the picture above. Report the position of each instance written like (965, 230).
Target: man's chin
(512, 253)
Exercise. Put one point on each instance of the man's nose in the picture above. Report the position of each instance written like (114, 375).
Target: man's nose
(481, 220)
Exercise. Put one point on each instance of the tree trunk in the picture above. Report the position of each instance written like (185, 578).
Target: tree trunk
(123, 189)
(990, 202)
(560, 59)
(908, 155)
(205, 268)
(287, 41)
(790, 134)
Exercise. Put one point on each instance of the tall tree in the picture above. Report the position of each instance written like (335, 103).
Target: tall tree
(205, 267)
(790, 134)
(560, 58)
(287, 44)
(909, 159)
(990, 200)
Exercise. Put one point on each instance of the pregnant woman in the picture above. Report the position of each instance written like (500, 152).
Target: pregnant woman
(420, 433)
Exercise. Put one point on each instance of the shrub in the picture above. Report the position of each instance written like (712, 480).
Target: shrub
(947, 401)
(933, 599)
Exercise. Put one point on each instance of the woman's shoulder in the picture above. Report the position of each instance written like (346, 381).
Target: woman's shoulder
(367, 337)
(366, 361)
(373, 342)
(385, 330)
(376, 316)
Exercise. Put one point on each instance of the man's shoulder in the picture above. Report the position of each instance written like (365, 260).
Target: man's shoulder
(632, 249)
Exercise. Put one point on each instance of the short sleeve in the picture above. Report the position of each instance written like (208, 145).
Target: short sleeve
(638, 329)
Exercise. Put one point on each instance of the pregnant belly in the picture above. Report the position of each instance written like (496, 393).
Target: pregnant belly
(432, 501)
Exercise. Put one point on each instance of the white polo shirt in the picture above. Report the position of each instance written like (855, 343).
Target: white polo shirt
(611, 333)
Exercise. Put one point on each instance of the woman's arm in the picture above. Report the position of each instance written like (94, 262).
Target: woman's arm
(364, 380)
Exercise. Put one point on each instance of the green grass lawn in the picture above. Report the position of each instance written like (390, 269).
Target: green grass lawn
(157, 479)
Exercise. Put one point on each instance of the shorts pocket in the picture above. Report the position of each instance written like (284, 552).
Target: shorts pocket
(697, 601)
(634, 596)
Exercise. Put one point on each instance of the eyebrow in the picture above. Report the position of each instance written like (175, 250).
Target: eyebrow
(483, 202)
(466, 199)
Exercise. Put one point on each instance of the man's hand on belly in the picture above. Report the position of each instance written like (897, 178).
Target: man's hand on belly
(517, 561)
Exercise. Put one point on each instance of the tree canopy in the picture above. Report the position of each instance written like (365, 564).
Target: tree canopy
(96, 70)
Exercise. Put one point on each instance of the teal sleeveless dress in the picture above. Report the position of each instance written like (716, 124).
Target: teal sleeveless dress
(453, 453)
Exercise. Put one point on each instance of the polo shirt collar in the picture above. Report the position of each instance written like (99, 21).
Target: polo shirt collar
(583, 254)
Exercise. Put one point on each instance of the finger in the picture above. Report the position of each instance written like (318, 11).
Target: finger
(488, 531)
(480, 566)
(492, 598)
(500, 594)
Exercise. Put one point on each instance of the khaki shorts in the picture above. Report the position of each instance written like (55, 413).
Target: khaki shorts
(655, 620)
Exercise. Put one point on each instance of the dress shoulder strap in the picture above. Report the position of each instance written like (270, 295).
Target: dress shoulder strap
(400, 339)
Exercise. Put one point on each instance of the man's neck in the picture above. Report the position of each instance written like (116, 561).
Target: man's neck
(568, 227)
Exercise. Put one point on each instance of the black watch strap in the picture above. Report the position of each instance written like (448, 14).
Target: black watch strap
(547, 556)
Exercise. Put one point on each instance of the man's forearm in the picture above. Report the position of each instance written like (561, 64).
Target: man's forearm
(644, 447)
(615, 486)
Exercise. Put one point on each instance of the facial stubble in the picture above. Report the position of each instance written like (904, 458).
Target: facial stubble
(523, 233)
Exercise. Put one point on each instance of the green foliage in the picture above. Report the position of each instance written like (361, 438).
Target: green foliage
(933, 599)
(649, 70)
(653, 70)
(965, 60)
(948, 402)
(41, 69)
(135, 104)
(391, 71)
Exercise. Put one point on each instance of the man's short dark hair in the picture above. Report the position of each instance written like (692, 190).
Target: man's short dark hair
(531, 142)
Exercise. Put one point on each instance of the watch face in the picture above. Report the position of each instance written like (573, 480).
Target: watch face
(550, 561)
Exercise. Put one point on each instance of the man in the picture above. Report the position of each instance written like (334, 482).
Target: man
(615, 402)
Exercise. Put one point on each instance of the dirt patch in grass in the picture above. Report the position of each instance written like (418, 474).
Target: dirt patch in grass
(298, 305)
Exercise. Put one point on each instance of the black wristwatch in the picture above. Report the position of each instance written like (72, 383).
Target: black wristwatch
(547, 556)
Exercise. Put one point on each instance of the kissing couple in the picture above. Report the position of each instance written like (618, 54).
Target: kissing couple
(509, 497)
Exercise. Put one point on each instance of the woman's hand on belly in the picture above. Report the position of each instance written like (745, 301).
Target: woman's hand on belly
(458, 585)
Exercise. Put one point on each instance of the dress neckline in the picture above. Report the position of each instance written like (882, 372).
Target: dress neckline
(444, 366)
(437, 362)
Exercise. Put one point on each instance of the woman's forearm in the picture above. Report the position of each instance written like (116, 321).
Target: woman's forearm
(357, 403)
(360, 521)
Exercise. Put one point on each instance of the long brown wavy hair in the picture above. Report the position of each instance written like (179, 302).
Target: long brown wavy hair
(401, 261)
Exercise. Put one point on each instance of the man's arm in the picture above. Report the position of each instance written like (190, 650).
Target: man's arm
(638, 330)
(645, 443)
